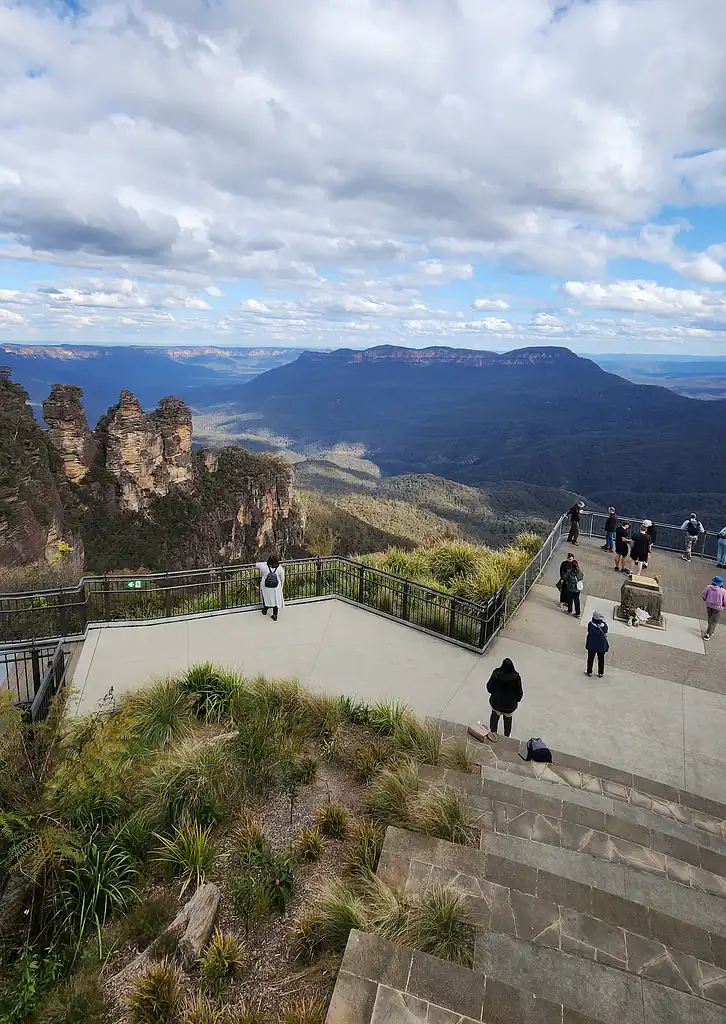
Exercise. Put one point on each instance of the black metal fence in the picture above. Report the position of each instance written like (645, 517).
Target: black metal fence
(66, 613)
(34, 674)
(668, 536)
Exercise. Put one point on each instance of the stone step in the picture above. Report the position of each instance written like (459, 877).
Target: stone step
(382, 983)
(575, 920)
(604, 780)
(534, 806)
(558, 829)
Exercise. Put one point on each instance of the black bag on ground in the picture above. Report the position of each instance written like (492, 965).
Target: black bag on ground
(537, 750)
(271, 580)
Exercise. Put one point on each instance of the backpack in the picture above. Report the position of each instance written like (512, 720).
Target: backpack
(693, 528)
(537, 750)
(271, 580)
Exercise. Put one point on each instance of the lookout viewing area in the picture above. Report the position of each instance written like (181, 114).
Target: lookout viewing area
(596, 884)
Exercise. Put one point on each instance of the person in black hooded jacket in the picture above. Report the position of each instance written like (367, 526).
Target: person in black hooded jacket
(505, 693)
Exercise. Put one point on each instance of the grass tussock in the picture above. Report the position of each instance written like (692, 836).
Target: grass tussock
(158, 995)
(471, 571)
(436, 921)
(396, 797)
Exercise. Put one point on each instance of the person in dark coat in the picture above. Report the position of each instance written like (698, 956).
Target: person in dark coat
(597, 643)
(573, 584)
(564, 569)
(652, 533)
(505, 692)
(574, 515)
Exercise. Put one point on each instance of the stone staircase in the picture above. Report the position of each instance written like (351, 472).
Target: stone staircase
(598, 897)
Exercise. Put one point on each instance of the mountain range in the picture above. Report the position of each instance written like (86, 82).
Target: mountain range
(541, 415)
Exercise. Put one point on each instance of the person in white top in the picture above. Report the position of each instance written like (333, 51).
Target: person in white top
(692, 529)
(271, 583)
(721, 556)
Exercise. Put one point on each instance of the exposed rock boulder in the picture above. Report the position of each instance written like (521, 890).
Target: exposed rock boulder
(69, 432)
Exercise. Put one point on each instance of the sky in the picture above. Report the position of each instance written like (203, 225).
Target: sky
(477, 173)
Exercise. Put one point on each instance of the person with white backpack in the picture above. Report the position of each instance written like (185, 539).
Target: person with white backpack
(271, 584)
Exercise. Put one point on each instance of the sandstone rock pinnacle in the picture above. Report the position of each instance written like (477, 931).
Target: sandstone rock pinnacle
(68, 430)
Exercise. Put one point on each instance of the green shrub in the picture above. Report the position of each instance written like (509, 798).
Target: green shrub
(222, 960)
(443, 814)
(100, 881)
(387, 716)
(157, 997)
(201, 1010)
(439, 923)
(368, 761)
(332, 820)
(327, 923)
(80, 1000)
(142, 925)
(365, 849)
(188, 853)
(213, 689)
(294, 771)
(448, 559)
(162, 713)
(529, 542)
(249, 836)
(321, 714)
(136, 834)
(418, 740)
(195, 780)
(249, 899)
(303, 1011)
(33, 974)
(455, 754)
(353, 711)
(389, 795)
(309, 845)
(250, 1014)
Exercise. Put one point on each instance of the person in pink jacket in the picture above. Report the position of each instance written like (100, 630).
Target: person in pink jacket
(715, 597)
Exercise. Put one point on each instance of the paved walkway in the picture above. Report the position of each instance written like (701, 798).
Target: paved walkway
(651, 725)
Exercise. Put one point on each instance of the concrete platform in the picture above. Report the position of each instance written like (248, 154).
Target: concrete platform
(666, 730)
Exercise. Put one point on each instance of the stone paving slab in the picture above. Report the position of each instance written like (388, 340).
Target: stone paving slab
(431, 991)
(537, 919)
(681, 632)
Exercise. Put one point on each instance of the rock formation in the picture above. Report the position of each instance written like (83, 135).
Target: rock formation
(33, 521)
(133, 489)
(147, 452)
(69, 432)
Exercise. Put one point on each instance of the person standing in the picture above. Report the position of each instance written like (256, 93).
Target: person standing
(574, 585)
(611, 525)
(505, 693)
(564, 569)
(622, 546)
(721, 555)
(596, 643)
(574, 515)
(639, 550)
(652, 533)
(271, 584)
(692, 529)
(714, 597)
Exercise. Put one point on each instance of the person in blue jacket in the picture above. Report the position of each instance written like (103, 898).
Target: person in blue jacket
(597, 643)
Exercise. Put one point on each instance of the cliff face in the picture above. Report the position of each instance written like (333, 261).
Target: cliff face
(132, 491)
(33, 521)
(147, 453)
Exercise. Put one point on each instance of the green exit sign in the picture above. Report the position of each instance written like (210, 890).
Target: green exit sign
(135, 584)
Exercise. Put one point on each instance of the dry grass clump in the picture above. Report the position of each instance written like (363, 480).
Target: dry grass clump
(471, 571)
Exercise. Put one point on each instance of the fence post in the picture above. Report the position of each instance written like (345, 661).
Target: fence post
(524, 584)
(62, 613)
(361, 587)
(318, 577)
(106, 599)
(83, 594)
(35, 661)
(167, 596)
(223, 587)
(404, 603)
(452, 617)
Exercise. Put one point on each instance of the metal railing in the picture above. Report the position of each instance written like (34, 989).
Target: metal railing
(668, 536)
(524, 583)
(67, 613)
(34, 674)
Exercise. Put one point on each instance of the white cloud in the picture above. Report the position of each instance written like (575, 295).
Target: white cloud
(489, 304)
(492, 323)
(645, 297)
(186, 146)
(10, 318)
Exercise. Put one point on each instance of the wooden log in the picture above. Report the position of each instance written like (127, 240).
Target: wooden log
(192, 927)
